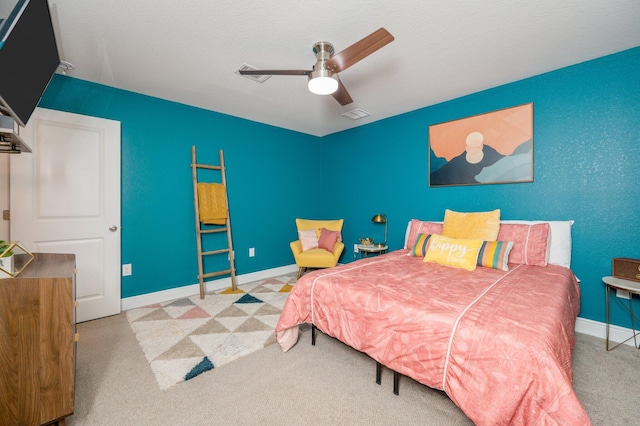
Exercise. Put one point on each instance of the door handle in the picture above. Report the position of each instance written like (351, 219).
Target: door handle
(113, 228)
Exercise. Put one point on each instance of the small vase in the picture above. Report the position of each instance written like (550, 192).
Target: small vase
(6, 263)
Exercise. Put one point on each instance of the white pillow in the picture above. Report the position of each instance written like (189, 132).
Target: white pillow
(559, 249)
(308, 239)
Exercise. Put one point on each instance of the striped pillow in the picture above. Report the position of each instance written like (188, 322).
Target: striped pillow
(422, 244)
(495, 254)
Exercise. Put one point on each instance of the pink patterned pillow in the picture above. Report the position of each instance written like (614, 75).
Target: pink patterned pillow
(328, 239)
(529, 242)
(419, 227)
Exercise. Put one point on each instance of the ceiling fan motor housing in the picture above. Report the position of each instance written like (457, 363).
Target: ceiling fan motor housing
(323, 51)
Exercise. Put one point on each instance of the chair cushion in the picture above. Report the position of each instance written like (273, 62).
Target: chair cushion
(316, 258)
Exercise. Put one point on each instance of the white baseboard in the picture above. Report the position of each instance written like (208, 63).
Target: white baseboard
(583, 325)
(599, 329)
(194, 289)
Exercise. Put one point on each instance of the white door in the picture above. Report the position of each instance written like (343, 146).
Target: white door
(65, 198)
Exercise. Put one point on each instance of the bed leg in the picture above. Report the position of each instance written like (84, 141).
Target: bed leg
(378, 373)
(313, 334)
(396, 380)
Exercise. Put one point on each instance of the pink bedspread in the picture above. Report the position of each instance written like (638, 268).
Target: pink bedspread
(498, 343)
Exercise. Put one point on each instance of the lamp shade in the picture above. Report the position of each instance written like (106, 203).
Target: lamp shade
(379, 218)
(322, 82)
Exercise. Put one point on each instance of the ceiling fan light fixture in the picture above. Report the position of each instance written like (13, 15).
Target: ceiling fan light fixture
(323, 82)
(323, 78)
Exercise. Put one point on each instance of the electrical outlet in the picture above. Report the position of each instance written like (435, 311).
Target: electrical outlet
(623, 294)
(126, 270)
(252, 252)
(355, 248)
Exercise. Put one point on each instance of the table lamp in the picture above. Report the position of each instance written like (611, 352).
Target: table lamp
(381, 218)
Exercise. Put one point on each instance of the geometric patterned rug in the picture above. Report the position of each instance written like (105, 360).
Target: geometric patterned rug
(187, 337)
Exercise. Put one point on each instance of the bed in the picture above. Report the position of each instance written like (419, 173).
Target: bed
(498, 342)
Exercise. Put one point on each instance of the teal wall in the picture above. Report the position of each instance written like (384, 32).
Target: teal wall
(586, 168)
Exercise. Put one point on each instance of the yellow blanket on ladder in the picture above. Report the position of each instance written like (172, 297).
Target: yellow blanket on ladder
(212, 203)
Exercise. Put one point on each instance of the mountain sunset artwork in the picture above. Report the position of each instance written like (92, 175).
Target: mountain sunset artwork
(490, 148)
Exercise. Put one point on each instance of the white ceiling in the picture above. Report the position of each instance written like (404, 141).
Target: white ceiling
(188, 51)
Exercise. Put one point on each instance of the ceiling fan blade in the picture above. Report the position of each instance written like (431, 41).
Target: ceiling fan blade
(359, 50)
(341, 95)
(274, 72)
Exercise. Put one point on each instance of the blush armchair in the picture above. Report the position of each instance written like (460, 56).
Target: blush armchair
(319, 244)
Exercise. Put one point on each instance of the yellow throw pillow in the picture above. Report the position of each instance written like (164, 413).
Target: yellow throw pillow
(476, 226)
(456, 252)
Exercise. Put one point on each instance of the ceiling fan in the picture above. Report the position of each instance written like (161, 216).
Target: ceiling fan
(323, 78)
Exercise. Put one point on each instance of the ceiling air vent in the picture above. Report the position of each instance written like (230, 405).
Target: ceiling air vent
(259, 78)
(356, 114)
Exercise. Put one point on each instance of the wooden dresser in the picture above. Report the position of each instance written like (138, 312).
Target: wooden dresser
(38, 341)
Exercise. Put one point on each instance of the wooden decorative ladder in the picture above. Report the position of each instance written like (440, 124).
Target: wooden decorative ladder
(200, 232)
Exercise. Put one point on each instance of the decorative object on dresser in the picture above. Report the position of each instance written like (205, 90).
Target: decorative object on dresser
(626, 268)
(38, 341)
(6, 260)
(7, 265)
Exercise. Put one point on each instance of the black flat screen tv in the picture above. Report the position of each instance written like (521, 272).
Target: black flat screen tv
(28, 58)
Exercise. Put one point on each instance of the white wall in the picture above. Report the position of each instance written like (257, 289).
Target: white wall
(4, 195)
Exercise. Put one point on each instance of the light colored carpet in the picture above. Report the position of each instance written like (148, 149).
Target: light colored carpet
(328, 384)
(184, 338)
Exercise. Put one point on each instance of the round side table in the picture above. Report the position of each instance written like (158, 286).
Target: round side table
(372, 248)
(633, 287)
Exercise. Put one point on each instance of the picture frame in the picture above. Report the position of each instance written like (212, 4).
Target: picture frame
(490, 148)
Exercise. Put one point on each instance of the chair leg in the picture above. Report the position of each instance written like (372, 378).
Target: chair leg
(396, 380)
(313, 334)
(300, 272)
(378, 372)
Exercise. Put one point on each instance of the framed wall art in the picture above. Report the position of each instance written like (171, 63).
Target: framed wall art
(490, 148)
